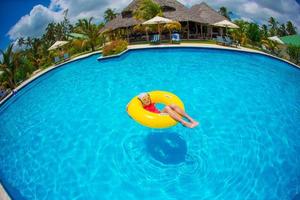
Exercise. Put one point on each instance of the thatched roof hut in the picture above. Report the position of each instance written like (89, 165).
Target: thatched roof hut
(204, 14)
(172, 9)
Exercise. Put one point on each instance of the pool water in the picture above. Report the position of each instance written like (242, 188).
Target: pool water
(67, 134)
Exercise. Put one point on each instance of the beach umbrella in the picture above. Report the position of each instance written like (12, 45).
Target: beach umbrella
(158, 20)
(77, 36)
(226, 24)
(276, 39)
(58, 44)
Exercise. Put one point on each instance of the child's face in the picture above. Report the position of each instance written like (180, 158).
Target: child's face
(146, 100)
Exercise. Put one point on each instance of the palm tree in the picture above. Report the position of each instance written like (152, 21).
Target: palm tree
(34, 52)
(9, 65)
(271, 45)
(240, 34)
(273, 24)
(139, 28)
(253, 33)
(290, 28)
(21, 41)
(223, 11)
(109, 15)
(148, 9)
(282, 30)
(90, 30)
(264, 31)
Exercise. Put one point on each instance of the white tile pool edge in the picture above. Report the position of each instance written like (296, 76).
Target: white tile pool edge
(40, 73)
(3, 193)
(212, 46)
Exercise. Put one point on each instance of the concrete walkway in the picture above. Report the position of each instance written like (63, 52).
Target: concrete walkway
(3, 194)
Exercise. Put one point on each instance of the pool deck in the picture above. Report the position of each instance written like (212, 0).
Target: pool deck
(139, 46)
(3, 194)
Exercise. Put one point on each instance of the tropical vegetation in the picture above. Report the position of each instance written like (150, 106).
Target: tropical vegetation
(114, 48)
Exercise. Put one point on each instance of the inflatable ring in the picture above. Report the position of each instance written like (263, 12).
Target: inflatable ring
(154, 120)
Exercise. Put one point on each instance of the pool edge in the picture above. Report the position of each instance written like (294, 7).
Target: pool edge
(43, 72)
(209, 46)
(3, 194)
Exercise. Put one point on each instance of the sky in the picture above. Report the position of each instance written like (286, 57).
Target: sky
(23, 18)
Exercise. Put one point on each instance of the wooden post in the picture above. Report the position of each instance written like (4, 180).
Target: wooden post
(196, 24)
(201, 30)
(188, 25)
(127, 34)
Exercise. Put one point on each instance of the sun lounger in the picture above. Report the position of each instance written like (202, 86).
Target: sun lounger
(229, 42)
(220, 40)
(176, 38)
(155, 39)
(66, 56)
(264, 48)
(56, 59)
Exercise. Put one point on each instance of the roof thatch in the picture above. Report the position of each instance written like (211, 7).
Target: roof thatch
(202, 13)
(120, 22)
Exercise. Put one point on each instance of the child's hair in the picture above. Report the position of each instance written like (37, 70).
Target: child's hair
(141, 96)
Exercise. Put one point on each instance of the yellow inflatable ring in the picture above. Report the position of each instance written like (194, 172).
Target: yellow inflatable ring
(154, 120)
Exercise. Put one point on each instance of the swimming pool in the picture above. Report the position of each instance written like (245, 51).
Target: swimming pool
(67, 135)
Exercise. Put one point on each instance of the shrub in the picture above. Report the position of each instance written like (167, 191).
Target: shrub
(294, 53)
(115, 47)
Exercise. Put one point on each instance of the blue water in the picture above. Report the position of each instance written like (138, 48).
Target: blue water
(67, 134)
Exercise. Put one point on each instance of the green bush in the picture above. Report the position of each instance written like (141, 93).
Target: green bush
(294, 53)
(115, 47)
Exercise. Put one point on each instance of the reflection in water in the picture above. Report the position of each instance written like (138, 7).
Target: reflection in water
(166, 147)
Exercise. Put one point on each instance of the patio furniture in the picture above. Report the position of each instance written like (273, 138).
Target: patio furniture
(155, 39)
(264, 48)
(176, 38)
(229, 42)
(56, 59)
(220, 40)
(66, 56)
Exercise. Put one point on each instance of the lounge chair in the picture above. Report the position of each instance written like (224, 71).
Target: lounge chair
(176, 38)
(220, 40)
(66, 56)
(229, 42)
(264, 48)
(56, 59)
(155, 39)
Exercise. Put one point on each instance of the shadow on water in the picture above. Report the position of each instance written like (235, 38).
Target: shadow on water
(297, 197)
(166, 147)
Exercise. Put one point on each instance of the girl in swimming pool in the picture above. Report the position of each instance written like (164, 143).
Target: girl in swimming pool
(173, 110)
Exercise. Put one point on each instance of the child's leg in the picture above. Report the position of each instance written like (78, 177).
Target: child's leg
(176, 117)
(181, 112)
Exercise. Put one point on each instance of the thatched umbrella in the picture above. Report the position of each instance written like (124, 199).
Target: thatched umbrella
(227, 24)
(276, 39)
(158, 20)
(57, 45)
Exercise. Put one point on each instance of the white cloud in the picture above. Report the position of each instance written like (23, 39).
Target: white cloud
(258, 10)
(36, 21)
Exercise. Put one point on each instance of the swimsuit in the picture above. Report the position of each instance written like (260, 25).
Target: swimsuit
(152, 108)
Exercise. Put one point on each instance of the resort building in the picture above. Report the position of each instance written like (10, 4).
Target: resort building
(196, 22)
